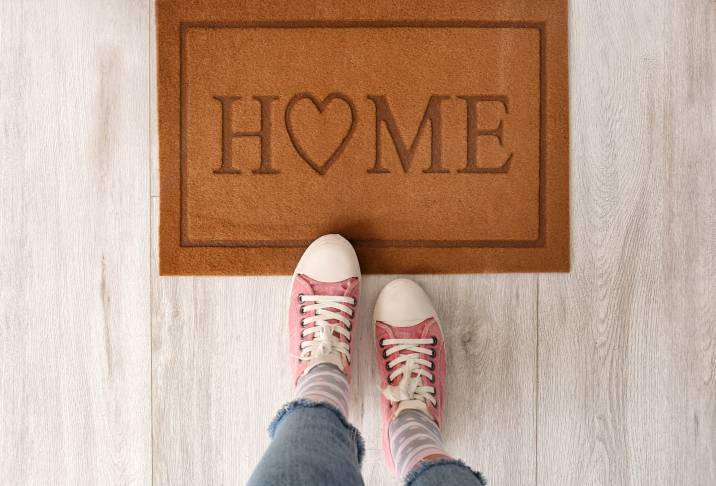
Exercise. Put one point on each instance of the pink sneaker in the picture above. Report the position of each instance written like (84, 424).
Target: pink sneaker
(410, 354)
(323, 306)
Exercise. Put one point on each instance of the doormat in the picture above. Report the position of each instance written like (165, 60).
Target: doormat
(433, 135)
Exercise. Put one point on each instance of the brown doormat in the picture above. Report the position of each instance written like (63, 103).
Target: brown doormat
(434, 135)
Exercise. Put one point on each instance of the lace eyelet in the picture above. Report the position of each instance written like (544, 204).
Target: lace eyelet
(432, 380)
(390, 382)
(435, 341)
(387, 367)
(301, 310)
(303, 323)
(432, 365)
(380, 343)
(300, 298)
(434, 353)
(385, 355)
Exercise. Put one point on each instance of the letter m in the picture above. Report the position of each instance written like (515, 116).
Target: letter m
(432, 114)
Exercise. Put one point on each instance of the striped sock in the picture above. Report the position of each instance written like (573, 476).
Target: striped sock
(325, 383)
(413, 436)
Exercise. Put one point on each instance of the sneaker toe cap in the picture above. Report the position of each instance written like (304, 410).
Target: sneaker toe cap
(330, 258)
(403, 303)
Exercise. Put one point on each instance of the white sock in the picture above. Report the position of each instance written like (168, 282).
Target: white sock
(325, 383)
(413, 437)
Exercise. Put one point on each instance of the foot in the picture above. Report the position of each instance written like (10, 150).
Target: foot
(323, 306)
(411, 361)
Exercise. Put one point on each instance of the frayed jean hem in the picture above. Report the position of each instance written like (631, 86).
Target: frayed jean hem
(427, 465)
(300, 404)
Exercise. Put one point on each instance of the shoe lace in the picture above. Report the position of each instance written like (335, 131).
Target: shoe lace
(411, 367)
(326, 326)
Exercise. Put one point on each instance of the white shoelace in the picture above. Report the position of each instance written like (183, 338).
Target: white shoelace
(326, 341)
(411, 391)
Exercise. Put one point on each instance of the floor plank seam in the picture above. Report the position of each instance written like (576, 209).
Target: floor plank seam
(537, 389)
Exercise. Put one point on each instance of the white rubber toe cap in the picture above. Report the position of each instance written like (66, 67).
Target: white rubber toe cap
(331, 258)
(403, 303)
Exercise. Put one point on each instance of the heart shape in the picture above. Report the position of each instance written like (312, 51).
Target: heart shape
(321, 106)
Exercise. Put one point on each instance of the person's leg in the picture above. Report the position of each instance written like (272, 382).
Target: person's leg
(312, 441)
(411, 362)
(312, 444)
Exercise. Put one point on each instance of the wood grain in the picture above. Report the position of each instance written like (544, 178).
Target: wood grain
(74, 238)
(627, 354)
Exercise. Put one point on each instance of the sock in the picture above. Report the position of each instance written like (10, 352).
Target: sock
(413, 437)
(325, 383)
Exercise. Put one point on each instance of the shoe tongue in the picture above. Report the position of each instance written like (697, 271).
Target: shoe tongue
(418, 331)
(328, 288)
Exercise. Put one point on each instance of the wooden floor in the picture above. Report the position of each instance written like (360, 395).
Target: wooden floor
(111, 375)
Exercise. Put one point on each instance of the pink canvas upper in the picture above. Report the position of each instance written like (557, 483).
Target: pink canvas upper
(426, 329)
(305, 285)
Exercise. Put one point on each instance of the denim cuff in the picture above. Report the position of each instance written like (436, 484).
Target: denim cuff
(302, 403)
(426, 465)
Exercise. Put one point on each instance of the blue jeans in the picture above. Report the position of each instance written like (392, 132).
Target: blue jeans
(313, 444)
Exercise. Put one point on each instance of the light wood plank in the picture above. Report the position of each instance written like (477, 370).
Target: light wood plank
(154, 115)
(627, 361)
(220, 373)
(74, 235)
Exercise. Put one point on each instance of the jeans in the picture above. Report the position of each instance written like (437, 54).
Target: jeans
(313, 444)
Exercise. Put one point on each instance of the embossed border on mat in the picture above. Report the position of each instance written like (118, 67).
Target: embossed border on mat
(354, 24)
